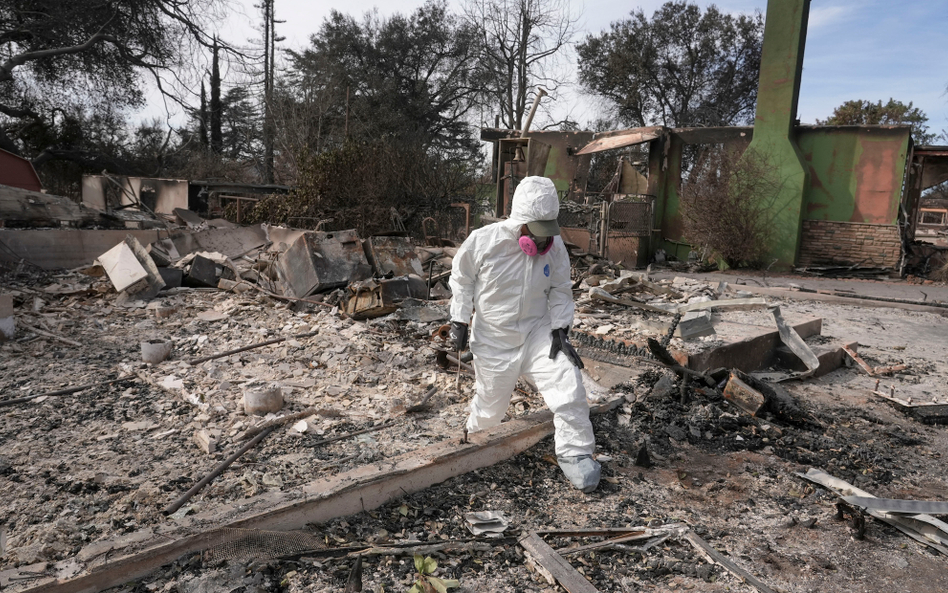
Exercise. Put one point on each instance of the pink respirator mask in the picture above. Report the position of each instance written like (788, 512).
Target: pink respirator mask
(529, 246)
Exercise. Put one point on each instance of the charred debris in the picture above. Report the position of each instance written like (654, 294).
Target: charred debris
(283, 400)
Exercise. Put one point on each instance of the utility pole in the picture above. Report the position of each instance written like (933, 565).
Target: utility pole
(269, 46)
(217, 140)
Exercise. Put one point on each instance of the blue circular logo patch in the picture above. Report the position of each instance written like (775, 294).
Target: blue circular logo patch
(546, 270)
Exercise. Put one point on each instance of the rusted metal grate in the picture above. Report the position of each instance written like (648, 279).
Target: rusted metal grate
(246, 544)
(632, 217)
(579, 216)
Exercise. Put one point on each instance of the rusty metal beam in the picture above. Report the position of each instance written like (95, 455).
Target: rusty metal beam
(722, 135)
(832, 298)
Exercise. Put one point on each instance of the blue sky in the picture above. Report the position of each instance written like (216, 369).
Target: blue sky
(855, 49)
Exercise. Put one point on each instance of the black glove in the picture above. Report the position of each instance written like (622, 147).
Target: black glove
(561, 343)
(458, 335)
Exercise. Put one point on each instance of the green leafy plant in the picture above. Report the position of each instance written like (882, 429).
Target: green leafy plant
(427, 583)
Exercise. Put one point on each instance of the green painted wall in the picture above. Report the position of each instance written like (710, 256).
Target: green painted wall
(668, 199)
(780, 72)
(855, 173)
(568, 172)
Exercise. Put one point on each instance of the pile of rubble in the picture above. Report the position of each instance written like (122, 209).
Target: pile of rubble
(281, 414)
(366, 278)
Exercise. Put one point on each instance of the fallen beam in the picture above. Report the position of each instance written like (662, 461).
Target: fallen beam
(111, 563)
(554, 564)
(829, 298)
(718, 558)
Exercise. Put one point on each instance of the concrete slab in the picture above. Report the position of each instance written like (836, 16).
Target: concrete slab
(52, 249)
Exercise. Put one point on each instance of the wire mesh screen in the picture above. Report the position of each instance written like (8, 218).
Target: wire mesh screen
(631, 217)
(578, 216)
(625, 249)
(246, 544)
(579, 225)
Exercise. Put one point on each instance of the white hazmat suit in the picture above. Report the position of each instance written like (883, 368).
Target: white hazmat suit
(517, 301)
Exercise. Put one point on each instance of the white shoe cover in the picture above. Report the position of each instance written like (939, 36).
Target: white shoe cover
(582, 471)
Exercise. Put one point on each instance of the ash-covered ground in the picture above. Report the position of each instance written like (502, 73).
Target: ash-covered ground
(88, 467)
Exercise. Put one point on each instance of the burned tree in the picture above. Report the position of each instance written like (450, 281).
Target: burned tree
(726, 205)
(61, 57)
(519, 41)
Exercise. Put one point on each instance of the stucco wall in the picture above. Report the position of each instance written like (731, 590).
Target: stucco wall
(856, 172)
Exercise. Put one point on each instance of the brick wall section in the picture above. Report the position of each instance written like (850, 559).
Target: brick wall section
(833, 243)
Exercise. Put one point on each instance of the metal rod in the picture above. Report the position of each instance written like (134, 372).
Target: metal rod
(20, 400)
(463, 365)
(50, 335)
(281, 421)
(420, 406)
(195, 361)
(171, 508)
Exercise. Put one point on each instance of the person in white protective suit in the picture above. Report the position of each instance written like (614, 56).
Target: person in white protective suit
(513, 276)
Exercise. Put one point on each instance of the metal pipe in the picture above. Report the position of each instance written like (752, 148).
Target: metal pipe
(67, 391)
(171, 508)
(533, 110)
(195, 361)
(461, 365)
(420, 406)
